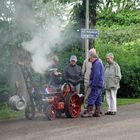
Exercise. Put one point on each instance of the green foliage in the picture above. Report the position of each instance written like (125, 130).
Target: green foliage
(75, 49)
(124, 17)
(120, 35)
(124, 43)
(123, 101)
(7, 113)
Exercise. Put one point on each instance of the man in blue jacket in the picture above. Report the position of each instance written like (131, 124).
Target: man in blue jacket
(96, 83)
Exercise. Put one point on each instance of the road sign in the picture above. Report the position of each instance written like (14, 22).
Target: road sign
(89, 33)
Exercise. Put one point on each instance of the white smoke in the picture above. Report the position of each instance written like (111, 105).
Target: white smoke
(41, 45)
(45, 23)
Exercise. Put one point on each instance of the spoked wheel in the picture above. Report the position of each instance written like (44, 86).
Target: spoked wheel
(72, 105)
(50, 112)
(30, 112)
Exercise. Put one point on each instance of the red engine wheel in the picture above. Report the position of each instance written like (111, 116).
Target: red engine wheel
(72, 105)
(50, 112)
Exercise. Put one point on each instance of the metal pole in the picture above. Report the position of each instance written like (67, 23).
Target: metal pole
(87, 27)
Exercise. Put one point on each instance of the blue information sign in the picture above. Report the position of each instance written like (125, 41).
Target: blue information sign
(89, 33)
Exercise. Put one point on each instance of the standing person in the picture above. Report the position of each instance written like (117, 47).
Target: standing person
(53, 75)
(73, 74)
(96, 83)
(112, 78)
(86, 70)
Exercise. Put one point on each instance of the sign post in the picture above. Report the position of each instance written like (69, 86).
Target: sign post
(87, 27)
(88, 34)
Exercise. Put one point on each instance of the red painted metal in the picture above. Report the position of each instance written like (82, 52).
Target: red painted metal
(65, 99)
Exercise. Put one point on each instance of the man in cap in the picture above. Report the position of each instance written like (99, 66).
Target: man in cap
(73, 74)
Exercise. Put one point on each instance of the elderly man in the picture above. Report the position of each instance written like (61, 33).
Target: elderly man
(86, 70)
(112, 78)
(96, 84)
(73, 74)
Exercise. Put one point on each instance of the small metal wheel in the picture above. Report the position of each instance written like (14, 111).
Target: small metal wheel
(50, 112)
(72, 105)
(30, 112)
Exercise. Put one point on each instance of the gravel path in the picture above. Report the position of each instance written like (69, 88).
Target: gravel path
(123, 126)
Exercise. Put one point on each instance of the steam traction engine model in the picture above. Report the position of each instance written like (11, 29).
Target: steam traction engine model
(50, 101)
(54, 102)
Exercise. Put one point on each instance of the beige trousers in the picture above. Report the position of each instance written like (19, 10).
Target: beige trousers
(87, 91)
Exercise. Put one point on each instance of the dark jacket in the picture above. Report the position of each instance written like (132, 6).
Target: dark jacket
(97, 74)
(51, 78)
(73, 74)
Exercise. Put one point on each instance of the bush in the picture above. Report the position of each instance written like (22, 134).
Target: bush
(127, 54)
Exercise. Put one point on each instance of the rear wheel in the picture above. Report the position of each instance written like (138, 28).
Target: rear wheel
(72, 105)
(30, 112)
(50, 112)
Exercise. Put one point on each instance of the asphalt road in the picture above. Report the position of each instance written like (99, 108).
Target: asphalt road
(123, 126)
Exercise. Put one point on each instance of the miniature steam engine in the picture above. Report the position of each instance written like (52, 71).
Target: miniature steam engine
(50, 101)
(57, 101)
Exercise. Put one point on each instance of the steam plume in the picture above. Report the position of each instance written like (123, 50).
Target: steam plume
(45, 34)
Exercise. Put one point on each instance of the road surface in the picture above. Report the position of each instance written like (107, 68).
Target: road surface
(123, 126)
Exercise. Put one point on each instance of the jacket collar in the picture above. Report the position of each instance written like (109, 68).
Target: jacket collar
(95, 60)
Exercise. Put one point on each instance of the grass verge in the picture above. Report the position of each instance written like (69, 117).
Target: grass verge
(7, 113)
(124, 101)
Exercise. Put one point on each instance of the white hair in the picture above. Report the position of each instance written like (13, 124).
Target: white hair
(110, 55)
(92, 51)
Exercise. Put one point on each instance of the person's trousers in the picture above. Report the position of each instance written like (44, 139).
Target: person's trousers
(87, 91)
(77, 88)
(95, 97)
(111, 99)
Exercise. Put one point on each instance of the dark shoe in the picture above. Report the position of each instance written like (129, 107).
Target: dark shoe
(101, 112)
(108, 113)
(113, 113)
(97, 111)
(86, 114)
(96, 115)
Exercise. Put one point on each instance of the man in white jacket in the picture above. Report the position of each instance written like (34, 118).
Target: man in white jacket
(112, 77)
